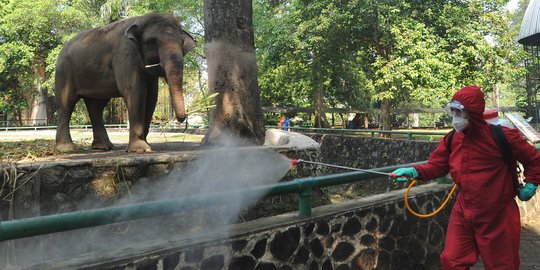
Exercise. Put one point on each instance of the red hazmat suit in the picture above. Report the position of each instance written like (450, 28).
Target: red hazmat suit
(485, 219)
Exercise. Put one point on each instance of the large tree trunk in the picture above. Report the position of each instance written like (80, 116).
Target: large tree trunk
(232, 71)
(320, 115)
(38, 116)
(386, 117)
(318, 97)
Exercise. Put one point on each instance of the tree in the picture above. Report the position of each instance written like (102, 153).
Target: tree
(307, 57)
(526, 98)
(404, 52)
(461, 43)
(32, 34)
(29, 31)
(232, 71)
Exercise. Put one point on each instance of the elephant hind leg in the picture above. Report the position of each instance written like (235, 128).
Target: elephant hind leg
(66, 104)
(95, 111)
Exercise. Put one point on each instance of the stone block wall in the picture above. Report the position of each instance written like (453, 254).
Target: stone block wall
(46, 188)
(369, 153)
(369, 233)
(70, 185)
(61, 186)
(365, 152)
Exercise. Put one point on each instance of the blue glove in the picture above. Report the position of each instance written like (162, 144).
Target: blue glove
(409, 172)
(526, 192)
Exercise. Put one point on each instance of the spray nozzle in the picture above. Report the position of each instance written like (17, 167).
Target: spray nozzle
(295, 162)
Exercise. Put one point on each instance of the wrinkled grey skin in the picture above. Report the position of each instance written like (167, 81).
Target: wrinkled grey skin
(122, 59)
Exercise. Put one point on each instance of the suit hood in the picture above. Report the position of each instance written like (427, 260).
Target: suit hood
(472, 99)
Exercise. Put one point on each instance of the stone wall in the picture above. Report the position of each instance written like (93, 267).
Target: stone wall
(45, 188)
(61, 186)
(364, 152)
(368, 153)
(369, 233)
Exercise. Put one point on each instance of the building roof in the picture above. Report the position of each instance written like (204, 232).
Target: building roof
(529, 33)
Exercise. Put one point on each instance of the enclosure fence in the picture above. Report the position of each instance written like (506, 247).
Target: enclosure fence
(21, 228)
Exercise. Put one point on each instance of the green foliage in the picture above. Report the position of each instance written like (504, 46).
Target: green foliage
(408, 54)
(32, 34)
(29, 31)
(15, 64)
(357, 53)
(11, 102)
(303, 48)
(202, 103)
(80, 115)
(29, 150)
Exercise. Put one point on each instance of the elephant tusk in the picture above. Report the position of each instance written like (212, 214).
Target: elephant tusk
(154, 65)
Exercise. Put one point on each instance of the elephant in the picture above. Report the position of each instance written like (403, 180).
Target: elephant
(122, 59)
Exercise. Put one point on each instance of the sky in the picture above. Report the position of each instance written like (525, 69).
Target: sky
(512, 5)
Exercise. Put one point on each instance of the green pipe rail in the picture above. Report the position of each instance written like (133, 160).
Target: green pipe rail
(54, 127)
(21, 228)
(119, 126)
(410, 133)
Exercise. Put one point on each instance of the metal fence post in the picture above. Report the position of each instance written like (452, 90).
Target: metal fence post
(304, 201)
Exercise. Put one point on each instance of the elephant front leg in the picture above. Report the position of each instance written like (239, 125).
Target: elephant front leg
(151, 101)
(95, 109)
(137, 131)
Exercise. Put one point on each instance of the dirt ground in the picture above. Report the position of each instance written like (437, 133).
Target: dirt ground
(161, 142)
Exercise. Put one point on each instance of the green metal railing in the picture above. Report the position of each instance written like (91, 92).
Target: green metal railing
(410, 133)
(54, 127)
(125, 126)
(372, 132)
(27, 227)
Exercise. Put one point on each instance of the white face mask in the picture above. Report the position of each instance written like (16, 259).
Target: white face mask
(459, 116)
(459, 123)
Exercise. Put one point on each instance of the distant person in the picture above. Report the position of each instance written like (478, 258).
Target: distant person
(355, 122)
(485, 218)
(280, 122)
(286, 123)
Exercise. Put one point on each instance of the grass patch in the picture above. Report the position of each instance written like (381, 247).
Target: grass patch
(173, 137)
(32, 149)
(18, 146)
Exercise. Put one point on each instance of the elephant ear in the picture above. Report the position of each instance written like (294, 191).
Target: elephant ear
(131, 32)
(188, 44)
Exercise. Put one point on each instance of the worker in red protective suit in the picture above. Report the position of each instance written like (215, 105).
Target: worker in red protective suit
(485, 218)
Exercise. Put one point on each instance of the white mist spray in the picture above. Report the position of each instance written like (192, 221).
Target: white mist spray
(227, 167)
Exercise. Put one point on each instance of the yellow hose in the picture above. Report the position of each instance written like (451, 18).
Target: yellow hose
(413, 182)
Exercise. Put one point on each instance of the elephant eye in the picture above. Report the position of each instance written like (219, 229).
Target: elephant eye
(151, 42)
(168, 31)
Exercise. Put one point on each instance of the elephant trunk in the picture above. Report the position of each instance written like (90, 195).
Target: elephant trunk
(172, 62)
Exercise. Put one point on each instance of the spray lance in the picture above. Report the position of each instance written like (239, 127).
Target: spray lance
(295, 162)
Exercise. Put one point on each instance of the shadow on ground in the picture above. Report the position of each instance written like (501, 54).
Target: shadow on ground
(529, 248)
